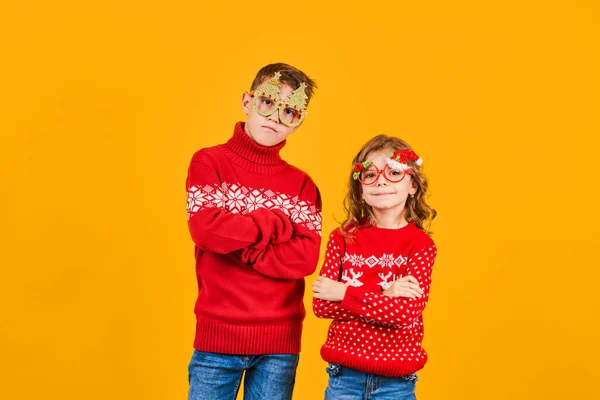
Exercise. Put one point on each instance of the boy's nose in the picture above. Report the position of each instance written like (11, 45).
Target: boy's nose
(274, 117)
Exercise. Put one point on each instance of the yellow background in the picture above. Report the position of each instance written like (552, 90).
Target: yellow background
(104, 102)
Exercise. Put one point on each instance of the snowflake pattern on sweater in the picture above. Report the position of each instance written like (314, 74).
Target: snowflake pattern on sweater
(243, 200)
(373, 332)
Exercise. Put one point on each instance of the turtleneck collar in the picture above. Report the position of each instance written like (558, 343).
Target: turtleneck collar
(252, 156)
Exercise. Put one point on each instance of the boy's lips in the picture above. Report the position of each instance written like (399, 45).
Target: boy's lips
(269, 128)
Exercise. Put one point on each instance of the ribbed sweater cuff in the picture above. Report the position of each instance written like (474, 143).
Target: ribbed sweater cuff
(353, 300)
(247, 339)
(389, 368)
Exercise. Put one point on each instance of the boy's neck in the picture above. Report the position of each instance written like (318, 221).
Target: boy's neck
(252, 156)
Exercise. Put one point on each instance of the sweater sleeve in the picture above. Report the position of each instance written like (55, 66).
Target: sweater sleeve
(331, 269)
(385, 310)
(213, 228)
(297, 257)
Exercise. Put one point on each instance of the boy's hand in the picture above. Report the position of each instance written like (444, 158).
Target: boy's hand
(328, 289)
(407, 286)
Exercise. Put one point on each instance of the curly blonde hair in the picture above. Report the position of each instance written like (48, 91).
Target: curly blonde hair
(359, 214)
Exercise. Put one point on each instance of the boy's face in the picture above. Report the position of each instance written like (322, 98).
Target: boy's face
(266, 130)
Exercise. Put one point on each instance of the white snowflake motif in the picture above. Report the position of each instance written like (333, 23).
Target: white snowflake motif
(195, 200)
(299, 212)
(254, 201)
(315, 216)
(235, 199)
(387, 260)
(282, 202)
(356, 260)
(218, 199)
(317, 226)
(241, 199)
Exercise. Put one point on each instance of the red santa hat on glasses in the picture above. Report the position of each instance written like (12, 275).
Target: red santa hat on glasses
(398, 160)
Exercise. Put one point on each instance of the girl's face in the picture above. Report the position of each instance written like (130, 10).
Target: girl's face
(383, 195)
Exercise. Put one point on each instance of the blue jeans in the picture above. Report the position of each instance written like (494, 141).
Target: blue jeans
(214, 376)
(349, 384)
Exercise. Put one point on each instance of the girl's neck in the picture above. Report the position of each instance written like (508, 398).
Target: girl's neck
(389, 219)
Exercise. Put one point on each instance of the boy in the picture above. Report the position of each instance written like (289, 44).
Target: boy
(256, 224)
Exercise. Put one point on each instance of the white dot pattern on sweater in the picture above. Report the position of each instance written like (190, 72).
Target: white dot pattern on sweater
(367, 324)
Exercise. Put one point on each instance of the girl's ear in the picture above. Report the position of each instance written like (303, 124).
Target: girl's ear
(413, 188)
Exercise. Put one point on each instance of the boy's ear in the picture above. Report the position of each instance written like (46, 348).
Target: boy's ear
(246, 102)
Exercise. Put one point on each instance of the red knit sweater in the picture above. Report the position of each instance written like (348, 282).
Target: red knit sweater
(372, 332)
(256, 224)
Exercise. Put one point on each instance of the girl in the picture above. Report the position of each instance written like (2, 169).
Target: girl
(376, 278)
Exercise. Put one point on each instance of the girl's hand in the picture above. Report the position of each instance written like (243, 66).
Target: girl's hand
(407, 286)
(328, 289)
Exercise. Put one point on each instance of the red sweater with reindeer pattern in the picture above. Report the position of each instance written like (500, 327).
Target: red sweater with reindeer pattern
(372, 332)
